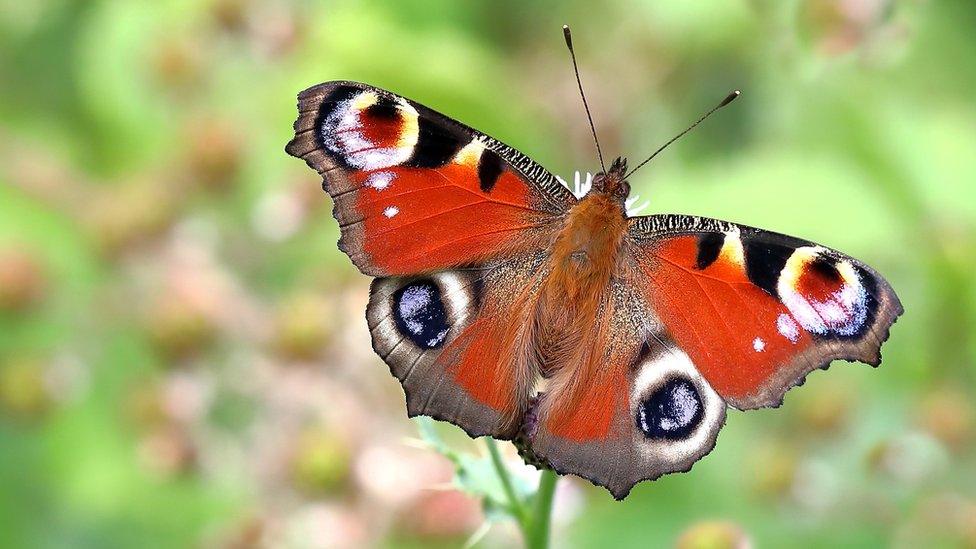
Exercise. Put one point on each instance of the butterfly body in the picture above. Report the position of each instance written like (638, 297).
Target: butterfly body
(584, 256)
(610, 346)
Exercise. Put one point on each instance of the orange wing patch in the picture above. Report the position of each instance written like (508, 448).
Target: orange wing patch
(590, 415)
(418, 219)
(642, 412)
(728, 326)
(484, 368)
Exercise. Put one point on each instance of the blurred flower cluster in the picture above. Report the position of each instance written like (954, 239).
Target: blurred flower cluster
(183, 351)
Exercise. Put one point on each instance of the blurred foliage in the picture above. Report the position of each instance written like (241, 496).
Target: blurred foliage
(183, 359)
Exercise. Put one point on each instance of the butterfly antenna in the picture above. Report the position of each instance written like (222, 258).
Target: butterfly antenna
(728, 99)
(579, 83)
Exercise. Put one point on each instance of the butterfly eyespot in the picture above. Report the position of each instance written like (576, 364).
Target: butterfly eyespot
(824, 295)
(672, 412)
(367, 130)
(420, 315)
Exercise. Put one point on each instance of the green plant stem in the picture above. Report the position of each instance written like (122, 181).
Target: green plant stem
(513, 500)
(537, 536)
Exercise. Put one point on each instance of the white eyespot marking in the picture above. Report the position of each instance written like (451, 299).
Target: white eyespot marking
(379, 180)
(364, 100)
(758, 345)
(581, 186)
(787, 327)
(684, 406)
(843, 311)
(656, 371)
(344, 134)
(419, 313)
(391, 211)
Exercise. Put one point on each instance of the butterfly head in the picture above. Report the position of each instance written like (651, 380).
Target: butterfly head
(612, 182)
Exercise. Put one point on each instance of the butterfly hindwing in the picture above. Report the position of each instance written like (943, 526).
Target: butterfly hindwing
(755, 310)
(644, 412)
(415, 191)
(454, 339)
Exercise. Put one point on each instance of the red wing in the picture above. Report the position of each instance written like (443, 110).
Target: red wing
(417, 192)
(454, 339)
(754, 310)
(642, 412)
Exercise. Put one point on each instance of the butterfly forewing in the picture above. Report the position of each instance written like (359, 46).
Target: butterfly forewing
(756, 311)
(701, 312)
(417, 192)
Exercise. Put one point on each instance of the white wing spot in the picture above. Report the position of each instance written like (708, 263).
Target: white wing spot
(379, 180)
(759, 345)
(391, 211)
(787, 327)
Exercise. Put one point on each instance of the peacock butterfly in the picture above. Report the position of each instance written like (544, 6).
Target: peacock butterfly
(606, 345)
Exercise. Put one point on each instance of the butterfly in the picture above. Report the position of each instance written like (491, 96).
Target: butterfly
(605, 345)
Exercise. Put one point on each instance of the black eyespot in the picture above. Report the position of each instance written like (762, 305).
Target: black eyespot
(337, 97)
(672, 412)
(420, 315)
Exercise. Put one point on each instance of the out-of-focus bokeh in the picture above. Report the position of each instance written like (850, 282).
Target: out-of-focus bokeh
(184, 359)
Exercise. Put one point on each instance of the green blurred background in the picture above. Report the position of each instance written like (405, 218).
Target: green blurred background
(183, 355)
